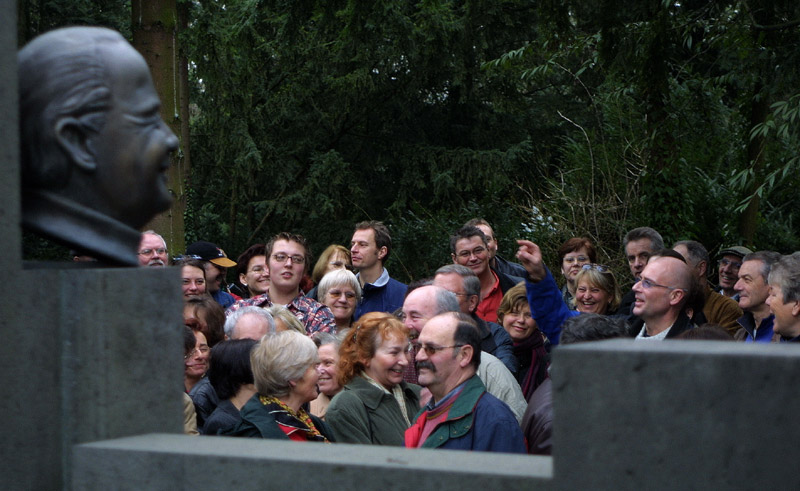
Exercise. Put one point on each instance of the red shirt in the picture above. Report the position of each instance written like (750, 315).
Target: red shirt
(487, 309)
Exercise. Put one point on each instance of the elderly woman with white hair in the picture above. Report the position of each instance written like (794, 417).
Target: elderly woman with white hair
(341, 292)
(285, 374)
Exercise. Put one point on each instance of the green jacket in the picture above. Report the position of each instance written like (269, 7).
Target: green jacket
(476, 421)
(362, 413)
(257, 422)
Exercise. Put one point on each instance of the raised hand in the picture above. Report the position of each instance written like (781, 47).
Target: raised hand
(530, 256)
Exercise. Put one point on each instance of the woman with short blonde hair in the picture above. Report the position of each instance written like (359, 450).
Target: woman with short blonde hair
(285, 375)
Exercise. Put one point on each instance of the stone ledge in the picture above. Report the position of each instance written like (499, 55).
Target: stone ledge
(162, 461)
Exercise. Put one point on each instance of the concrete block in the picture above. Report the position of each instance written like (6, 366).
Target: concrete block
(87, 355)
(675, 415)
(10, 243)
(183, 462)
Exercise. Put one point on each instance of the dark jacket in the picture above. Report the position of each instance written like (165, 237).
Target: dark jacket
(762, 334)
(385, 298)
(537, 423)
(476, 421)
(257, 422)
(224, 416)
(508, 268)
(363, 413)
(682, 324)
(496, 341)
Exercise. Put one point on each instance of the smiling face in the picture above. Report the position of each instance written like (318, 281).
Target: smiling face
(196, 364)
(444, 369)
(341, 299)
(729, 267)
(328, 360)
(655, 301)
(133, 148)
(194, 281)
(750, 286)
(286, 275)
(387, 365)
(572, 262)
(787, 322)
(256, 279)
(472, 253)
(590, 298)
(305, 389)
(418, 307)
(518, 323)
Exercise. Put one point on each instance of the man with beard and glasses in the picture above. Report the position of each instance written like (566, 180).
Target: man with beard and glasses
(153, 250)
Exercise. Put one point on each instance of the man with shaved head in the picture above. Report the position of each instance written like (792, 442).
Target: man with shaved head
(660, 299)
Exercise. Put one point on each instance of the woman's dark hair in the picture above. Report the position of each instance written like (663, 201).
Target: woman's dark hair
(213, 314)
(706, 332)
(229, 367)
(188, 340)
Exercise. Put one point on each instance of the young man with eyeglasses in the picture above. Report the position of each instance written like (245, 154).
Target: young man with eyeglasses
(288, 257)
(369, 250)
(496, 261)
(461, 415)
(469, 247)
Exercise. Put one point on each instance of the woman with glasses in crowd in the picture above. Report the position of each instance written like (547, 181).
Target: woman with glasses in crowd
(375, 405)
(596, 291)
(341, 292)
(334, 257)
(573, 254)
(285, 374)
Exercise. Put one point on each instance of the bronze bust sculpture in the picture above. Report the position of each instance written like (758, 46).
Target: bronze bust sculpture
(95, 150)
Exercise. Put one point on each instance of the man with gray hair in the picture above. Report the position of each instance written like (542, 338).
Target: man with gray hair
(464, 283)
(249, 323)
(426, 302)
(784, 297)
(152, 250)
(639, 244)
(753, 290)
(718, 309)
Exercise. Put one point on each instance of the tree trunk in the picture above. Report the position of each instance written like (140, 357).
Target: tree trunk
(155, 25)
(759, 109)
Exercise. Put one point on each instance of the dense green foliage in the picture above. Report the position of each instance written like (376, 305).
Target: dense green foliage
(550, 119)
(313, 116)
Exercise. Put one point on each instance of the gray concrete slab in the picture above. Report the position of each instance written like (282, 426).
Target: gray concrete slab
(675, 415)
(87, 355)
(185, 462)
(10, 242)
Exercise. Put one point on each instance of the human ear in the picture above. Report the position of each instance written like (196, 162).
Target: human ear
(466, 355)
(73, 138)
(382, 253)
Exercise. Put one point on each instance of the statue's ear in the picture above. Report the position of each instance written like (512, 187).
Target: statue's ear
(73, 137)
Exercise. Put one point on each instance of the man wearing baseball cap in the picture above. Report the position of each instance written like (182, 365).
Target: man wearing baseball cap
(729, 263)
(216, 263)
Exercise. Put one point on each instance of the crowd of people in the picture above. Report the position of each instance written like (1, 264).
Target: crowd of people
(343, 352)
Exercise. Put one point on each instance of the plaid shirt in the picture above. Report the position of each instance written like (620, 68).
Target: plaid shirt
(315, 316)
